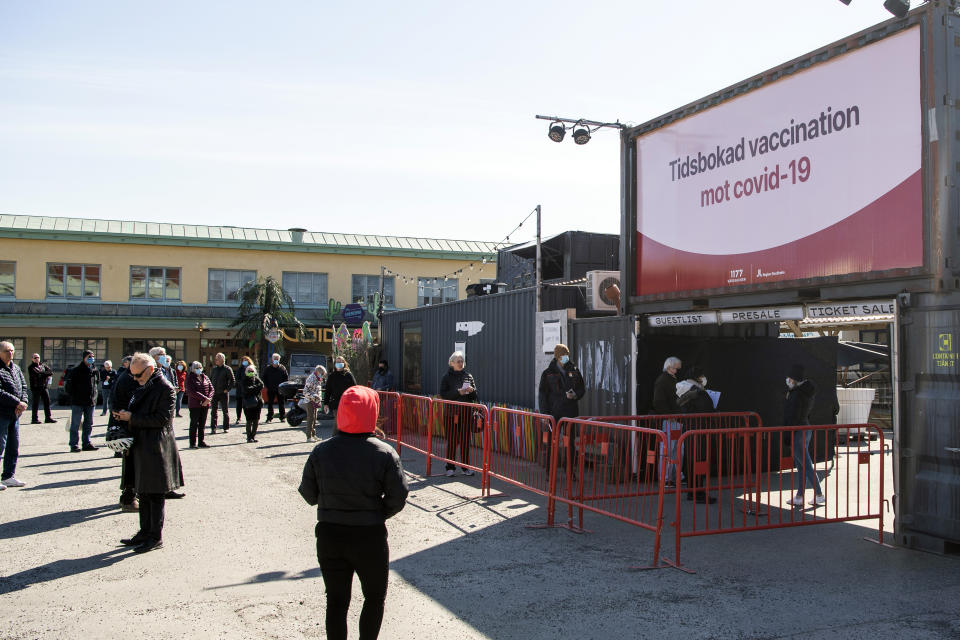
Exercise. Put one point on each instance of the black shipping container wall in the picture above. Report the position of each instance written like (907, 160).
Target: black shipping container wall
(499, 355)
(603, 350)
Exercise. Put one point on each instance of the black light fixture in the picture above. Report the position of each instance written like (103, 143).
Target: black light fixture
(581, 134)
(899, 8)
(557, 131)
(846, 2)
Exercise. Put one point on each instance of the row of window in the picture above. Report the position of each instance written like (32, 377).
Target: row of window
(162, 284)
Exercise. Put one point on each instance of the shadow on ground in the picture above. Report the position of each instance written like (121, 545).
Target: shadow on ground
(61, 569)
(53, 521)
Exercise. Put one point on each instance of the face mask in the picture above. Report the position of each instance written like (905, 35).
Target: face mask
(251, 373)
(703, 382)
(564, 359)
(276, 361)
(199, 370)
(179, 367)
(245, 363)
(89, 360)
(790, 383)
(339, 365)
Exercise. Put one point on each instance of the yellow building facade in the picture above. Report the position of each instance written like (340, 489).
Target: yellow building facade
(71, 284)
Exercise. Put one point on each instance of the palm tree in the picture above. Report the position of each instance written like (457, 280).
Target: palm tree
(264, 301)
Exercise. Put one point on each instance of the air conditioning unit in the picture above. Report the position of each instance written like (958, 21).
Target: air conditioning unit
(597, 284)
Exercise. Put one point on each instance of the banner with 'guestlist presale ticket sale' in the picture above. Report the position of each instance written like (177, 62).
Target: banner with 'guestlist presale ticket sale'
(814, 175)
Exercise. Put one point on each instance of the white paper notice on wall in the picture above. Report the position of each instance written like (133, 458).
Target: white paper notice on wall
(551, 335)
(462, 348)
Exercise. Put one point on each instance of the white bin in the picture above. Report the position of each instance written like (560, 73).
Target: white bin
(854, 408)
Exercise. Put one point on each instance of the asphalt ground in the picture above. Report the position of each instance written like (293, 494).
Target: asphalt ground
(239, 561)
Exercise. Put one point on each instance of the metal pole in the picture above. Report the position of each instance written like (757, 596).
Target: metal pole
(538, 269)
(380, 303)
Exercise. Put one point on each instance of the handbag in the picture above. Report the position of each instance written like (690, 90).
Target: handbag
(251, 402)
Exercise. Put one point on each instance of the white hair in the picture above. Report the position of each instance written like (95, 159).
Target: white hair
(157, 351)
(672, 362)
(107, 362)
(143, 358)
(321, 369)
(456, 355)
(8, 345)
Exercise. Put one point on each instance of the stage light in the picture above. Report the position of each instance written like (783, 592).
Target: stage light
(581, 135)
(899, 8)
(557, 131)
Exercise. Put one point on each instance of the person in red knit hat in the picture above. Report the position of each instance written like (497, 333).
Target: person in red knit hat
(357, 483)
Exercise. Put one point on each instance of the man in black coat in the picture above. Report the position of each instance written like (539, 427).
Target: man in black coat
(40, 375)
(665, 402)
(84, 380)
(156, 459)
(223, 380)
(273, 375)
(796, 411)
(561, 388)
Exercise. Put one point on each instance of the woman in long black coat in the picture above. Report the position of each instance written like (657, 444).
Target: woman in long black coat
(157, 467)
(459, 386)
(249, 387)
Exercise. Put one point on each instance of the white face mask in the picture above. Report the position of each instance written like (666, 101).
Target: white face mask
(179, 367)
(703, 382)
(790, 383)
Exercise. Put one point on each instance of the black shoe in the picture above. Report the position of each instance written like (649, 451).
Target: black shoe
(117, 454)
(213, 431)
(193, 446)
(75, 449)
(89, 447)
(49, 420)
(134, 541)
(173, 495)
(34, 421)
(149, 545)
(225, 429)
(203, 445)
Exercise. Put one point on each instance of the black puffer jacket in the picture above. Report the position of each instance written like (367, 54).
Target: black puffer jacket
(555, 381)
(83, 385)
(13, 389)
(694, 398)
(452, 381)
(799, 404)
(274, 375)
(155, 455)
(39, 374)
(354, 479)
(123, 389)
(337, 383)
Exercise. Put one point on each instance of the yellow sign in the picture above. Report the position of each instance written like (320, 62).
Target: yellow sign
(945, 357)
(311, 334)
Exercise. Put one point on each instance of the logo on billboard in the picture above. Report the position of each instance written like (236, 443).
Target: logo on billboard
(945, 357)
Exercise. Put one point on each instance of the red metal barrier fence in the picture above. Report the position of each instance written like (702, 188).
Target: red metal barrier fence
(609, 469)
(458, 431)
(735, 474)
(749, 479)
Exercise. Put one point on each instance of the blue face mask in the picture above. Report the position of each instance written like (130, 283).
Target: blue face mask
(339, 365)
(90, 360)
(199, 370)
(564, 359)
(179, 367)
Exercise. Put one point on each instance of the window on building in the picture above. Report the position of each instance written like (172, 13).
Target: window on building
(436, 290)
(365, 287)
(60, 353)
(306, 288)
(175, 348)
(73, 280)
(224, 284)
(155, 283)
(8, 279)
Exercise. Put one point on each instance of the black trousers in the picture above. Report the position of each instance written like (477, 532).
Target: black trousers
(40, 393)
(253, 420)
(239, 403)
(342, 551)
(220, 401)
(151, 515)
(198, 420)
(273, 395)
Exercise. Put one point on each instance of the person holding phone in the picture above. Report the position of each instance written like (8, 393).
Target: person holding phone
(458, 385)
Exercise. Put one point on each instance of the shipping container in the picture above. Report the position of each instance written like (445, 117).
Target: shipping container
(821, 193)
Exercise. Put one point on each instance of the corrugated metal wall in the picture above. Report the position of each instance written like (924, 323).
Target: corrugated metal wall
(500, 355)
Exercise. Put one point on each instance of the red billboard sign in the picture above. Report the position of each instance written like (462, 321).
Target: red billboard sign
(811, 176)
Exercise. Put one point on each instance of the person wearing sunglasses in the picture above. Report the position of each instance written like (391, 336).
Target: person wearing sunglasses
(156, 460)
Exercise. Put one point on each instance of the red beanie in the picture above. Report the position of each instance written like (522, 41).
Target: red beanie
(358, 410)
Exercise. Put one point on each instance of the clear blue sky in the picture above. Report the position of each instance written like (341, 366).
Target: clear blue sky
(402, 118)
